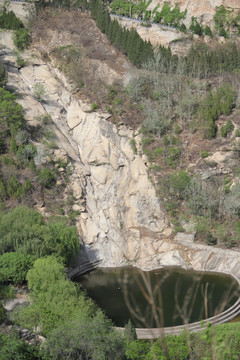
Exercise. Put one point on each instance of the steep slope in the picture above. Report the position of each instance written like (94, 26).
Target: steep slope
(203, 10)
(120, 219)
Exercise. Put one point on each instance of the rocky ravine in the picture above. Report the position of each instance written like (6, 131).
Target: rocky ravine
(121, 220)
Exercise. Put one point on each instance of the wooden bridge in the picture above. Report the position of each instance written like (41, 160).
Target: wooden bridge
(156, 333)
(82, 269)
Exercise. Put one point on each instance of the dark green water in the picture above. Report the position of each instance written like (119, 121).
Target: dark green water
(159, 298)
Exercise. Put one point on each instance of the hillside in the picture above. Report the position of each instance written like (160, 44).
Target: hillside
(203, 10)
(115, 151)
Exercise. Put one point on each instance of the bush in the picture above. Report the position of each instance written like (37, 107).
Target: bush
(208, 31)
(133, 145)
(24, 230)
(46, 178)
(11, 113)
(39, 91)
(158, 152)
(55, 300)
(223, 33)
(204, 154)
(2, 313)
(13, 187)
(237, 133)
(21, 39)
(94, 106)
(3, 75)
(14, 267)
(174, 185)
(210, 239)
(26, 153)
(8, 20)
(11, 347)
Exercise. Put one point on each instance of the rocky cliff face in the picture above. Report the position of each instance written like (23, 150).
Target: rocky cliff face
(203, 10)
(120, 218)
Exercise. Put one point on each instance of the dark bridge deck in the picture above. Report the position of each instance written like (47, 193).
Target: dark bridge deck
(224, 317)
(82, 269)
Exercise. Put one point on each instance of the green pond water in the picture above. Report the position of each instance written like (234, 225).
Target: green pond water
(159, 298)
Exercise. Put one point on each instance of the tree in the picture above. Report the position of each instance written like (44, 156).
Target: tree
(3, 75)
(11, 114)
(21, 39)
(25, 231)
(55, 300)
(208, 31)
(86, 337)
(14, 267)
(46, 178)
(11, 347)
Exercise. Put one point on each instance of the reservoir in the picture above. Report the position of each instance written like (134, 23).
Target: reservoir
(159, 298)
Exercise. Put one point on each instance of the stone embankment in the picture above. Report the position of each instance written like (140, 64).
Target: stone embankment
(121, 220)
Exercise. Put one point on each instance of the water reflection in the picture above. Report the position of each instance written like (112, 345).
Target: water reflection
(159, 298)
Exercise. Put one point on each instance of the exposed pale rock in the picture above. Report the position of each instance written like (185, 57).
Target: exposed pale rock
(221, 157)
(74, 114)
(186, 237)
(61, 155)
(100, 173)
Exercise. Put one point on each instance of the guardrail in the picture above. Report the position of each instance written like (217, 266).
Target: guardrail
(155, 333)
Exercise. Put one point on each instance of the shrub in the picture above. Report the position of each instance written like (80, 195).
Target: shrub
(25, 231)
(208, 31)
(8, 20)
(223, 131)
(3, 75)
(94, 106)
(39, 91)
(204, 154)
(175, 184)
(2, 313)
(11, 113)
(14, 267)
(237, 133)
(55, 300)
(226, 129)
(21, 39)
(210, 239)
(13, 186)
(11, 347)
(229, 126)
(223, 32)
(133, 144)
(21, 137)
(158, 152)
(46, 178)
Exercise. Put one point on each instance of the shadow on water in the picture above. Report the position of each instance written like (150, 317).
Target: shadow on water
(161, 298)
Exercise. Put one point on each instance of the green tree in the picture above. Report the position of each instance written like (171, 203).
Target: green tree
(137, 350)
(25, 231)
(14, 267)
(21, 39)
(87, 337)
(46, 178)
(208, 31)
(55, 300)
(3, 75)
(12, 348)
(11, 113)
